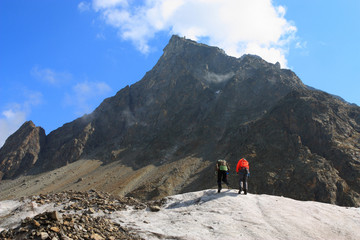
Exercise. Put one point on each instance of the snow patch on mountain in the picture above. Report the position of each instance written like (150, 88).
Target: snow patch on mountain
(217, 78)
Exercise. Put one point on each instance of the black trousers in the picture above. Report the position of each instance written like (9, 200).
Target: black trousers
(222, 176)
(243, 180)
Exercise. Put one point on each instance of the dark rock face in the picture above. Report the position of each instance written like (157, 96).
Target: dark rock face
(306, 147)
(187, 101)
(189, 97)
(65, 145)
(199, 103)
(21, 150)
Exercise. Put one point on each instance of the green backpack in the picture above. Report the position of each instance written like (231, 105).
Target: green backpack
(222, 165)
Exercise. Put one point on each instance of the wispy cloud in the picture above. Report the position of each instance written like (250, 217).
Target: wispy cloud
(50, 76)
(15, 114)
(237, 26)
(100, 36)
(301, 45)
(104, 4)
(85, 96)
(10, 120)
(84, 6)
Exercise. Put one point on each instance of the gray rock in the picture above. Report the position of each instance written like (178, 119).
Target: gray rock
(154, 208)
(75, 225)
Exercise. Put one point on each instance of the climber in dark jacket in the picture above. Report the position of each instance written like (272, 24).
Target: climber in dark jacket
(222, 169)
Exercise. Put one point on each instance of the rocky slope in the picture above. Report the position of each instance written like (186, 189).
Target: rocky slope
(307, 146)
(161, 135)
(74, 215)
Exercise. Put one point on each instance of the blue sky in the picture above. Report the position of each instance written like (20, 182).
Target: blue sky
(60, 59)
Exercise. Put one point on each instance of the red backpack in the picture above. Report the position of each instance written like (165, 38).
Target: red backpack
(243, 163)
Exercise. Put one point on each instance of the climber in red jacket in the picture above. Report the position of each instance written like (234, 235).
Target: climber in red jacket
(242, 168)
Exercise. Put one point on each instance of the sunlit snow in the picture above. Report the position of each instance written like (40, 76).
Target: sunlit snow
(226, 215)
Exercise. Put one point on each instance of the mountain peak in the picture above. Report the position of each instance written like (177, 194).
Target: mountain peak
(28, 124)
(195, 106)
(21, 150)
(179, 44)
(198, 56)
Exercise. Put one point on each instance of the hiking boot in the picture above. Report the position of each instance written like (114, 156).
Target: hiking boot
(245, 191)
(239, 192)
(219, 190)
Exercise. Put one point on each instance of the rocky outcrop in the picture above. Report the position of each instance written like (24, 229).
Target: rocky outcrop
(21, 150)
(197, 105)
(78, 219)
(65, 145)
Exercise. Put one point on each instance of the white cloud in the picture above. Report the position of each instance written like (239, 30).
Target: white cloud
(85, 96)
(10, 120)
(237, 26)
(84, 6)
(301, 45)
(50, 76)
(103, 4)
(15, 114)
(100, 36)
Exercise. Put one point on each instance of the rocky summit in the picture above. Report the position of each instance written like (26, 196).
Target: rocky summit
(163, 134)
